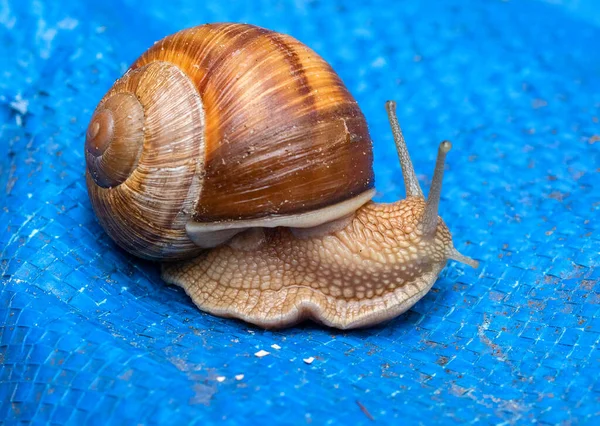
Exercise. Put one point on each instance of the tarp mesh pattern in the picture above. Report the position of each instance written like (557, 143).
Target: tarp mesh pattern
(90, 334)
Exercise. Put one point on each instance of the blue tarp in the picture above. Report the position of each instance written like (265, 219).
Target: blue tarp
(90, 334)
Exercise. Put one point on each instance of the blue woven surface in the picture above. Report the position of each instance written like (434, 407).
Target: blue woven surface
(89, 333)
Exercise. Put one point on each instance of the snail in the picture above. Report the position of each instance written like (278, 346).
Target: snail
(237, 157)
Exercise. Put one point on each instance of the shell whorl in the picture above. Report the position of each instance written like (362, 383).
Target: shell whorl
(114, 139)
(144, 158)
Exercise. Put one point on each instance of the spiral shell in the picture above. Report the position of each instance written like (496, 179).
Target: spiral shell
(217, 124)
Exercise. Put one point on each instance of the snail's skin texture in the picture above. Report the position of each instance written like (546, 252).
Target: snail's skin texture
(372, 270)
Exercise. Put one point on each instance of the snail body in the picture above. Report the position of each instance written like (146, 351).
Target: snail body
(236, 155)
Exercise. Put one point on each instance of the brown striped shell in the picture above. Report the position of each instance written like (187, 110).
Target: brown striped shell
(223, 124)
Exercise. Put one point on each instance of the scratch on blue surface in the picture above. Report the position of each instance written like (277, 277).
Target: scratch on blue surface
(89, 334)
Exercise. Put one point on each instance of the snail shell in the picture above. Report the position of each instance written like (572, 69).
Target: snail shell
(220, 128)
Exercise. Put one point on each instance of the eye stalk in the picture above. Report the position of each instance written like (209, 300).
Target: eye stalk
(411, 183)
(430, 218)
(429, 222)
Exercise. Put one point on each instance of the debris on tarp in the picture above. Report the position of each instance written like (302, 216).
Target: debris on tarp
(364, 410)
(261, 353)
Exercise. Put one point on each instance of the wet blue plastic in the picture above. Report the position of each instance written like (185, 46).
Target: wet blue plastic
(91, 334)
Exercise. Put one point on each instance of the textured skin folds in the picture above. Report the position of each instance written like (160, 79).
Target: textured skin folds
(374, 269)
(283, 134)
